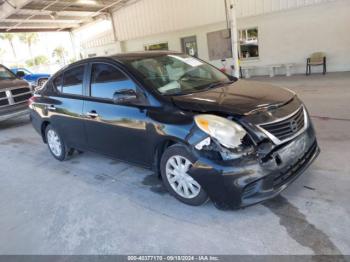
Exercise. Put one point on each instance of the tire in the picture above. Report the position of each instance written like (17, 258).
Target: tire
(175, 162)
(56, 144)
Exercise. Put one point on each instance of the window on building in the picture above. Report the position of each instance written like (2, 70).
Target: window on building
(107, 79)
(155, 47)
(249, 44)
(73, 81)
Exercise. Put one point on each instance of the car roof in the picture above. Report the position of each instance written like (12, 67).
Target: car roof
(140, 55)
(128, 56)
(121, 58)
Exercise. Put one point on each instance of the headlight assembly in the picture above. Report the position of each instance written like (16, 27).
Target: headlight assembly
(226, 132)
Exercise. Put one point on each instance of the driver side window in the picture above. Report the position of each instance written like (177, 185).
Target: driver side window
(107, 79)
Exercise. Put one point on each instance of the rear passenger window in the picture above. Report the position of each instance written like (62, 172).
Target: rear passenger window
(107, 79)
(73, 81)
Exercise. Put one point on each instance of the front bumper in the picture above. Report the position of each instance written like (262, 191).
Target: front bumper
(249, 180)
(14, 111)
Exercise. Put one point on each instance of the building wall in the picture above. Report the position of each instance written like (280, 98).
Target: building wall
(174, 40)
(287, 36)
(289, 30)
(151, 17)
(291, 36)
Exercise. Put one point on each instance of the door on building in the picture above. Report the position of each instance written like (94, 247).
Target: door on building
(189, 45)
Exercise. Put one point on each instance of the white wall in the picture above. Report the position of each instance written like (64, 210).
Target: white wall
(288, 36)
(291, 36)
(151, 17)
(289, 30)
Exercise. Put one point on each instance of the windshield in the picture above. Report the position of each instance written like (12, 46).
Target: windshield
(25, 71)
(6, 74)
(178, 74)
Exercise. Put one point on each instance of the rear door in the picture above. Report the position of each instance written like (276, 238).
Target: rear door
(65, 105)
(114, 129)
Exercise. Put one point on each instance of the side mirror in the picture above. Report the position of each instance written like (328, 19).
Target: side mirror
(125, 96)
(20, 74)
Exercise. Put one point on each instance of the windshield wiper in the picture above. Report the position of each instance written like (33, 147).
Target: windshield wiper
(220, 83)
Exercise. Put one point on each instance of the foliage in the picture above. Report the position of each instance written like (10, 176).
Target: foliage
(38, 60)
(29, 39)
(72, 60)
(9, 37)
(60, 54)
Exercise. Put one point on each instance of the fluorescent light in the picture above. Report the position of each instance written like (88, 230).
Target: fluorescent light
(87, 2)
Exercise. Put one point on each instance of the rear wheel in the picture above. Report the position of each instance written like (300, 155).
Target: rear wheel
(175, 163)
(55, 143)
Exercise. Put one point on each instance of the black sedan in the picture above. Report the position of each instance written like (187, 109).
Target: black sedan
(208, 135)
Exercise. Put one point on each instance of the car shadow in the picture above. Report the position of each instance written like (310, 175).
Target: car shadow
(14, 123)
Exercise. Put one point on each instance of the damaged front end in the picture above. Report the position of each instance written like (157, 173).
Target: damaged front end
(258, 167)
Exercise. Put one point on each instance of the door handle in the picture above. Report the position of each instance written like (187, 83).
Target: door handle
(51, 108)
(92, 114)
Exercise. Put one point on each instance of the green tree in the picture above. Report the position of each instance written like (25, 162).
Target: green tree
(9, 37)
(37, 61)
(60, 54)
(29, 39)
(2, 52)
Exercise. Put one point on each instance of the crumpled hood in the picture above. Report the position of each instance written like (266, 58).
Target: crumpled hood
(238, 98)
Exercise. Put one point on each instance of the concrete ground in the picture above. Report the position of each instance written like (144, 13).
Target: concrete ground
(95, 205)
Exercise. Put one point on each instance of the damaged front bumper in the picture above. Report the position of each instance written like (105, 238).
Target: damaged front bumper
(253, 178)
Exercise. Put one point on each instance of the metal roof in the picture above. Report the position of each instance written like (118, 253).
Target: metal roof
(52, 15)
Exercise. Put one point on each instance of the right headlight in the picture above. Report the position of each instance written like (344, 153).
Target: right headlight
(226, 132)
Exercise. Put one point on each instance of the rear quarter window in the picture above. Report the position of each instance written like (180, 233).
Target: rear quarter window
(70, 81)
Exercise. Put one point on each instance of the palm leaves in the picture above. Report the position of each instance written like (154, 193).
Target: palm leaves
(37, 61)
(9, 37)
(29, 39)
(60, 54)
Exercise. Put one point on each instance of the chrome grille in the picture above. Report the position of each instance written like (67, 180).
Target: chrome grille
(13, 96)
(18, 91)
(287, 128)
(22, 98)
(4, 102)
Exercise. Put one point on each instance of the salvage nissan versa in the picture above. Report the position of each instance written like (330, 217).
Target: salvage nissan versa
(209, 135)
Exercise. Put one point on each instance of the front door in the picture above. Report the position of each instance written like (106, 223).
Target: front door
(116, 130)
(189, 45)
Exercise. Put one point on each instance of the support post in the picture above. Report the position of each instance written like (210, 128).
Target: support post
(234, 38)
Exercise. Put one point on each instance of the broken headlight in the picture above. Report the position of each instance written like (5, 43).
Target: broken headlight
(228, 133)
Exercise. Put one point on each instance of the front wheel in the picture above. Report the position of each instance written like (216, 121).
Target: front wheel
(55, 143)
(175, 163)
